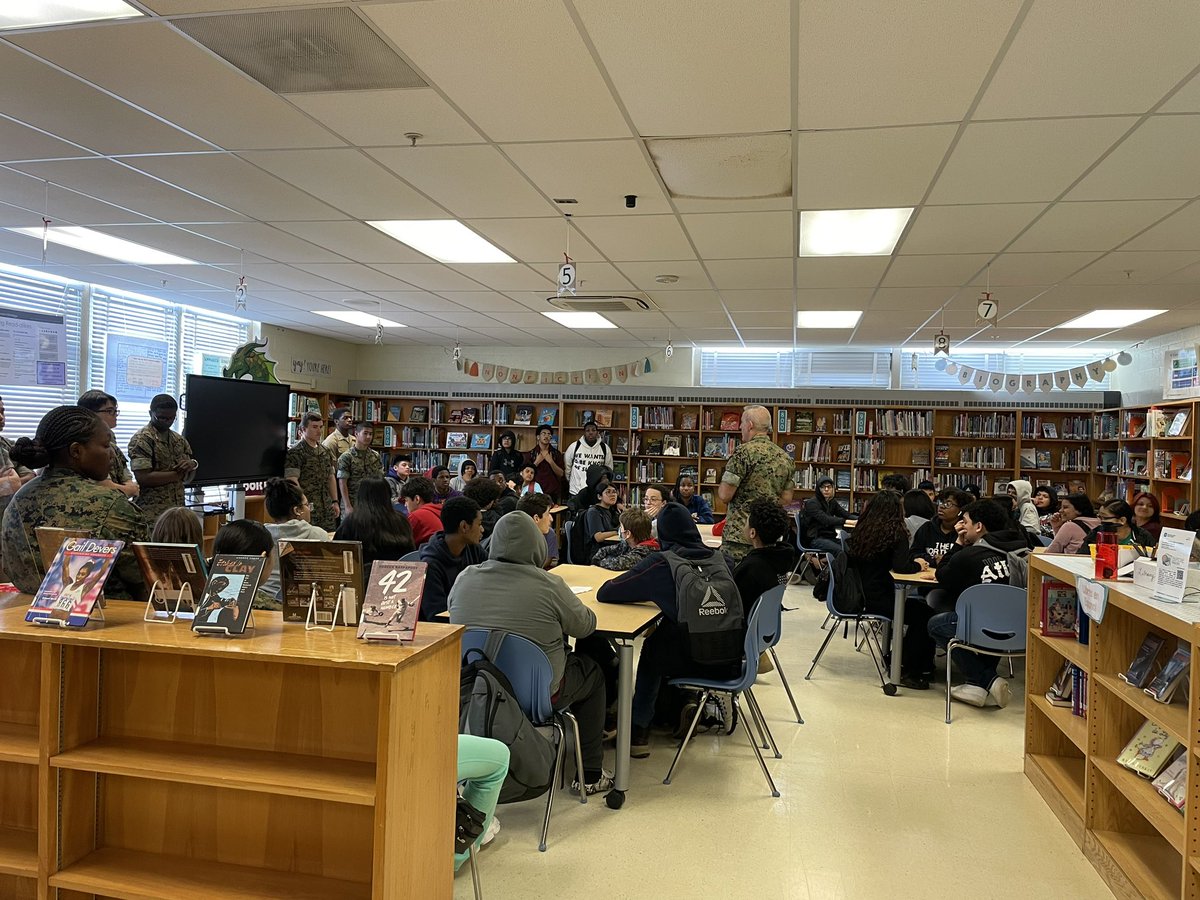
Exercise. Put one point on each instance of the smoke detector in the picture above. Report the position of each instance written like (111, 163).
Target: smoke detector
(666, 279)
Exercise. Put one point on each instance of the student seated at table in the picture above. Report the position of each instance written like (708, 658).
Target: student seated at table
(929, 489)
(934, 539)
(684, 493)
(383, 532)
(1027, 514)
(653, 498)
(485, 492)
(877, 547)
(1045, 498)
(507, 500)
(511, 592)
(528, 484)
(450, 551)
(895, 482)
(665, 653)
(424, 515)
(71, 447)
(289, 511)
(979, 556)
(1147, 515)
(636, 546)
(822, 517)
(1072, 523)
(537, 507)
(245, 537)
(178, 525)
(1117, 516)
(773, 558)
(601, 520)
(466, 471)
(442, 489)
(918, 510)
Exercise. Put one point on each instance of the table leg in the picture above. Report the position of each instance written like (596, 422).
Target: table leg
(616, 797)
(898, 631)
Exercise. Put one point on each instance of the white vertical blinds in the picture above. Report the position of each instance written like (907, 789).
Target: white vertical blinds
(798, 368)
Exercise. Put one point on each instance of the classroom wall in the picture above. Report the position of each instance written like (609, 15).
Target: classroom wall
(434, 364)
(1142, 381)
(310, 360)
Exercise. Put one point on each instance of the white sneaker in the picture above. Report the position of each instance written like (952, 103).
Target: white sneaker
(999, 692)
(493, 829)
(969, 693)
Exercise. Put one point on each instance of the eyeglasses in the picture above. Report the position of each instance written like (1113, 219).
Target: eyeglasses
(652, 501)
(947, 504)
(111, 410)
(1107, 518)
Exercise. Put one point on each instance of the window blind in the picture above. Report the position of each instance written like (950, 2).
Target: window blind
(927, 377)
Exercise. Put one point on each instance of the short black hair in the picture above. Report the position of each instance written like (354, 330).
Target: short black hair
(95, 400)
(457, 510)
(163, 401)
(534, 504)
(1083, 506)
(544, 427)
(438, 470)
(418, 486)
(896, 482)
(769, 520)
(243, 537)
(917, 503)
(483, 491)
(281, 497)
(960, 497)
(987, 513)
(338, 413)
(926, 485)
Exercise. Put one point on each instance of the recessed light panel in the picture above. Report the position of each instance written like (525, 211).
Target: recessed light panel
(106, 245)
(1112, 318)
(445, 240)
(36, 13)
(851, 232)
(579, 319)
(828, 318)
(354, 317)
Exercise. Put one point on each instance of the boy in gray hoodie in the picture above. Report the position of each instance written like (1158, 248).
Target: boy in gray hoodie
(512, 592)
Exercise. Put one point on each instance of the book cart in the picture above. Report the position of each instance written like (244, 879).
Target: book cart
(140, 761)
(1140, 844)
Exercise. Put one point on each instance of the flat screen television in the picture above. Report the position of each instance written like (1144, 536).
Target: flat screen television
(238, 429)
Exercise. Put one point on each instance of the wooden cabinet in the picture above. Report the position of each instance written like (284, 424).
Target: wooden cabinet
(140, 761)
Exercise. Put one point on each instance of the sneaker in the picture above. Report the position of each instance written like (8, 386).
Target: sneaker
(969, 693)
(720, 714)
(493, 829)
(764, 663)
(914, 682)
(601, 784)
(685, 719)
(639, 742)
(999, 692)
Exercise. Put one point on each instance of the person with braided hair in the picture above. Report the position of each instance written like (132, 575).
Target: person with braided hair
(72, 443)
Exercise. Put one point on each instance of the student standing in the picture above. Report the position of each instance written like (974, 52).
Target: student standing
(341, 439)
(357, 463)
(507, 458)
(310, 465)
(161, 459)
(120, 478)
(547, 464)
(588, 451)
(449, 552)
(757, 470)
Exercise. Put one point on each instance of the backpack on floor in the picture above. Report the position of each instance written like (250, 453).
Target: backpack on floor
(487, 708)
(710, 608)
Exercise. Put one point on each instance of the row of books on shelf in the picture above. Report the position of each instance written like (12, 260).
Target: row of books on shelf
(902, 423)
(603, 417)
(1077, 459)
(818, 449)
(972, 457)
(661, 417)
(986, 425)
(725, 420)
(1070, 690)
(1074, 428)
(1166, 422)
(868, 479)
(869, 452)
(1173, 464)
(299, 404)
(664, 445)
(803, 421)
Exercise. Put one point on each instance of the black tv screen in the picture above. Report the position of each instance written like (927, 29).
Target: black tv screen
(237, 429)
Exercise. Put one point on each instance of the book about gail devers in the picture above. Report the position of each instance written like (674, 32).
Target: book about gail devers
(74, 581)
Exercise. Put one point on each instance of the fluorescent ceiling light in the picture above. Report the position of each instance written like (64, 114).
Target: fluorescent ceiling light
(851, 232)
(579, 319)
(35, 13)
(354, 317)
(106, 245)
(446, 240)
(1112, 318)
(828, 318)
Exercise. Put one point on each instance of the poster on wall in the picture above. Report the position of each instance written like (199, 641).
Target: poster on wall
(135, 369)
(33, 349)
(1180, 374)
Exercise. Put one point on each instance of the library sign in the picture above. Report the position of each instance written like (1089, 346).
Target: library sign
(1077, 376)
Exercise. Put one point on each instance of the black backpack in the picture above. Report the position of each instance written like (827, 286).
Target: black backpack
(710, 608)
(848, 596)
(488, 708)
(577, 541)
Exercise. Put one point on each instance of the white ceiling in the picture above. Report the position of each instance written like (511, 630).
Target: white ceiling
(1049, 147)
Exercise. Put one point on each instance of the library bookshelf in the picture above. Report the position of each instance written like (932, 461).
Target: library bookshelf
(1140, 844)
(140, 761)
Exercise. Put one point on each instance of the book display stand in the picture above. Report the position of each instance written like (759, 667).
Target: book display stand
(172, 613)
(96, 615)
(221, 630)
(310, 623)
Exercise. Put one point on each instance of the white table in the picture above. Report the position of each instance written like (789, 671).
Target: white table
(902, 581)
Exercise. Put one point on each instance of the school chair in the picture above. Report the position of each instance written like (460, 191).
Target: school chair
(992, 621)
(865, 622)
(770, 604)
(414, 556)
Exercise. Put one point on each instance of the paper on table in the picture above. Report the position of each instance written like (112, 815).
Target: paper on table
(580, 589)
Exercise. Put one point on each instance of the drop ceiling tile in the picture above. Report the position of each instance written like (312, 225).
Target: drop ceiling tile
(771, 301)
(1096, 225)
(269, 242)
(362, 278)
(594, 278)
(636, 238)
(692, 319)
(1100, 59)
(773, 335)
(420, 301)
(287, 277)
(175, 7)
(1006, 162)
(664, 69)
(38, 95)
(904, 71)
(519, 70)
(723, 205)
(353, 240)
(225, 179)
(1033, 268)
(535, 240)
(939, 270)
(1082, 298)
(489, 302)
(1148, 164)
(1135, 267)
(1179, 232)
(902, 299)
(690, 273)
(751, 274)
(382, 118)
(833, 298)
(471, 182)
(703, 335)
(19, 142)
(29, 201)
(1188, 275)
(778, 319)
(879, 168)
(507, 276)
(685, 301)
(839, 271)
(191, 87)
(967, 229)
(599, 174)
(741, 235)
(432, 277)
(362, 187)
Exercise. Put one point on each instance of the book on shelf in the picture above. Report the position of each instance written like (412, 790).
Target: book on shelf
(548, 415)
(229, 594)
(334, 568)
(710, 476)
(1043, 459)
(1178, 424)
(524, 415)
(1143, 663)
(1059, 693)
(583, 416)
(167, 568)
(620, 470)
(74, 581)
(920, 457)
(620, 445)
(470, 415)
(1028, 458)
(604, 417)
(843, 453)
(503, 414)
(1135, 425)
(456, 440)
(481, 441)
(1059, 608)
(941, 455)
(1079, 692)
(790, 449)
(654, 446)
(1148, 751)
(456, 416)
(731, 421)
(1050, 430)
(688, 422)
(804, 421)
(1171, 782)
(1156, 423)
(672, 445)
(842, 480)
(392, 601)
(1173, 673)
(1108, 461)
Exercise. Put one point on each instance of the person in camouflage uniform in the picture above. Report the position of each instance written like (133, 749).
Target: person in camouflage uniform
(161, 459)
(11, 476)
(311, 465)
(758, 470)
(105, 406)
(72, 443)
(357, 463)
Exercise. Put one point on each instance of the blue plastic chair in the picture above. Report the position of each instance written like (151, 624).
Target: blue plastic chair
(414, 556)
(770, 608)
(1045, 541)
(802, 563)
(756, 636)
(528, 670)
(991, 620)
(865, 621)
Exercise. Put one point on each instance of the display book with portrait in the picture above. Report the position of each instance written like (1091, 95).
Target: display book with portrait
(228, 599)
(326, 574)
(74, 582)
(392, 602)
(1149, 750)
(1059, 609)
(175, 575)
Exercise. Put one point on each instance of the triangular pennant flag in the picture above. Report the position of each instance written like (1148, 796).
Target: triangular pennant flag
(1062, 380)
(606, 375)
(489, 371)
(1079, 376)
(502, 373)
(981, 379)
(1029, 383)
(1096, 370)
(590, 376)
(622, 373)
(965, 374)
(1045, 382)
(473, 369)
(576, 377)
(1012, 383)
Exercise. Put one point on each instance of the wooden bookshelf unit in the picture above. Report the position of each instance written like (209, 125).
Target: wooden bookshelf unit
(1139, 843)
(140, 761)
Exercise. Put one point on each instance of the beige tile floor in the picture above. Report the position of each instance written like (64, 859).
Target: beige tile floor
(880, 799)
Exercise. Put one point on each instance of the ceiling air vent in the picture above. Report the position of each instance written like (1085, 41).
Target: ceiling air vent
(304, 50)
(603, 303)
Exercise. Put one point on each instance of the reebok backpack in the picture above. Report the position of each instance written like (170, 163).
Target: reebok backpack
(487, 708)
(710, 608)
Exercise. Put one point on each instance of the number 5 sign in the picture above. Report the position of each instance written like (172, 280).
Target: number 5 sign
(566, 277)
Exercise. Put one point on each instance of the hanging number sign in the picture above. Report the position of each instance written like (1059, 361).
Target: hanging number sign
(567, 278)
